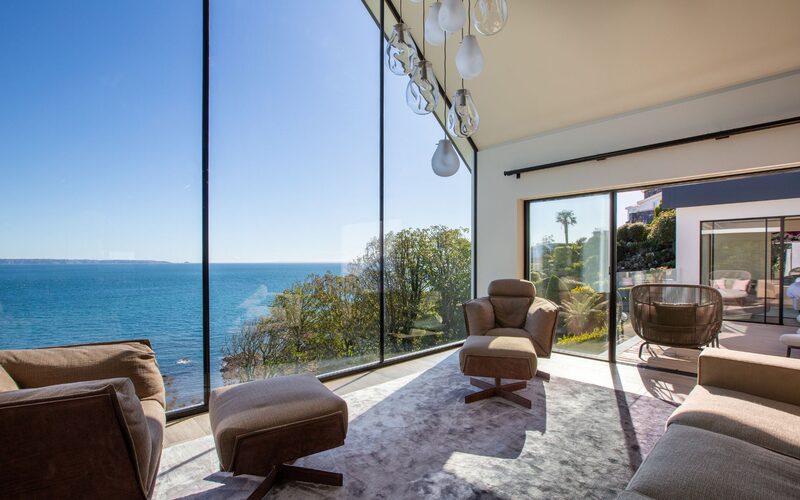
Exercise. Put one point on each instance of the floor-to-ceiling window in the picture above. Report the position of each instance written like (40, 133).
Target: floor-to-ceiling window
(568, 261)
(753, 262)
(294, 188)
(427, 226)
(100, 202)
(102, 161)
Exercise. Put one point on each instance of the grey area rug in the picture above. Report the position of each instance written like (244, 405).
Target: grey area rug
(415, 438)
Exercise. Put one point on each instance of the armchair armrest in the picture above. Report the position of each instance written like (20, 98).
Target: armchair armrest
(541, 325)
(770, 377)
(93, 433)
(62, 365)
(479, 316)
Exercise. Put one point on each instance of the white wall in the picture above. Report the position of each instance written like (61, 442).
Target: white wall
(500, 233)
(687, 231)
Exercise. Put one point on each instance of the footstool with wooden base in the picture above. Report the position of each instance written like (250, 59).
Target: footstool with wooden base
(498, 358)
(261, 427)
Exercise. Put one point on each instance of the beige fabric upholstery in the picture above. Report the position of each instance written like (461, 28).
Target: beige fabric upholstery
(509, 332)
(236, 410)
(512, 288)
(156, 420)
(770, 377)
(691, 463)
(511, 309)
(498, 347)
(479, 316)
(6, 382)
(130, 407)
(763, 422)
(59, 365)
(510, 312)
(541, 324)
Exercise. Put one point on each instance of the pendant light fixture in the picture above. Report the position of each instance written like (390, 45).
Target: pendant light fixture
(445, 160)
(422, 91)
(401, 52)
(452, 16)
(433, 31)
(469, 59)
(489, 16)
(462, 118)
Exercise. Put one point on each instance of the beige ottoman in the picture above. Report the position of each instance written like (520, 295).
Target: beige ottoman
(498, 358)
(260, 426)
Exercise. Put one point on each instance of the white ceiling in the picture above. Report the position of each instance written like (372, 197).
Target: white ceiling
(558, 63)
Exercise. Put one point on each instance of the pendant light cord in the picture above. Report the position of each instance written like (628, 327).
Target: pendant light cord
(423, 30)
(445, 86)
(462, 40)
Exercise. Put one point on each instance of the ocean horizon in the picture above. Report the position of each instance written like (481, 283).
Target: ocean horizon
(54, 302)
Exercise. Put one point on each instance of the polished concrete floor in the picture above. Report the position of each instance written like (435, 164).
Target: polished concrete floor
(633, 379)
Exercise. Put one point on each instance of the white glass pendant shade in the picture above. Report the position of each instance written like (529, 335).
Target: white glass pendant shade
(489, 16)
(463, 119)
(445, 159)
(422, 92)
(434, 34)
(401, 51)
(452, 16)
(469, 59)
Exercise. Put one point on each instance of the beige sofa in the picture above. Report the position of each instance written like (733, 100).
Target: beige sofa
(737, 435)
(81, 421)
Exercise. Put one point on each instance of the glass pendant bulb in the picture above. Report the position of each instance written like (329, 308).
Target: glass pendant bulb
(422, 92)
(489, 16)
(445, 159)
(463, 119)
(469, 59)
(434, 34)
(452, 16)
(401, 51)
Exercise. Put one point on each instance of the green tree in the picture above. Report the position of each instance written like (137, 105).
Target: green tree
(450, 275)
(566, 218)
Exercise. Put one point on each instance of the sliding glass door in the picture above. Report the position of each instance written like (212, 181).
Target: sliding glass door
(753, 262)
(568, 259)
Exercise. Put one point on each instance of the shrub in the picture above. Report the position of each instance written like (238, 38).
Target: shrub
(599, 333)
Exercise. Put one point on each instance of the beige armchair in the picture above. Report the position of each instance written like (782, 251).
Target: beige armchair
(81, 421)
(512, 309)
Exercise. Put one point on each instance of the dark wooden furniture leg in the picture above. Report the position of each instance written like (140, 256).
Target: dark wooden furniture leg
(282, 473)
(498, 389)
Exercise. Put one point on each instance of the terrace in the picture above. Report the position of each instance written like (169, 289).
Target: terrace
(371, 249)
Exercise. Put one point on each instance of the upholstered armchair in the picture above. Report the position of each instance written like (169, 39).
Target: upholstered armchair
(512, 309)
(80, 421)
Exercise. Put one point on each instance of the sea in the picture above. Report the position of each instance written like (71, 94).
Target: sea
(52, 304)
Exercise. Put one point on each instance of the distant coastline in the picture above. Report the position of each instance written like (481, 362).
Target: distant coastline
(80, 261)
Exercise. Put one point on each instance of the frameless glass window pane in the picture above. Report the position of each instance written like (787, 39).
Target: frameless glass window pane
(646, 253)
(294, 180)
(569, 263)
(428, 247)
(100, 146)
(790, 281)
(738, 267)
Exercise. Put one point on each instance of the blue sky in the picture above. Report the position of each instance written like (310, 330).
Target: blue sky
(100, 133)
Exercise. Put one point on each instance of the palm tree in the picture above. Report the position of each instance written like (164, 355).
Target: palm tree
(566, 218)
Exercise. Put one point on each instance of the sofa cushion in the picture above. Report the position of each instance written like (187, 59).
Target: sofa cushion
(510, 312)
(692, 463)
(155, 418)
(512, 288)
(508, 332)
(242, 410)
(130, 408)
(63, 365)
(760, 421)
(6, 382)
(505, 357)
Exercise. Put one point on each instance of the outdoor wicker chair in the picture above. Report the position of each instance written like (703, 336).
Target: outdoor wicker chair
(688, 316)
